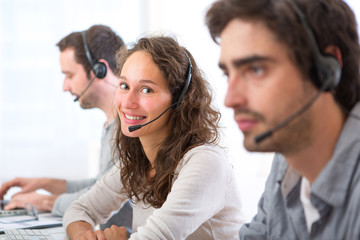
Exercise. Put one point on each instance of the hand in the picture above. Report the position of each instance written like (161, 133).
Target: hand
(55, 186)
(27, 185)
(115, 232)
(92, 235)
(42, 202)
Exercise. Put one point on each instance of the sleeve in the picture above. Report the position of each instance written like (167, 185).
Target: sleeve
(64, 201)
(97, 204)
(197, 194)
(76, 186)
(74, 189)
(257, 228)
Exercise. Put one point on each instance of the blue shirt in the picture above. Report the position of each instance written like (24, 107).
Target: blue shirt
(335, 193)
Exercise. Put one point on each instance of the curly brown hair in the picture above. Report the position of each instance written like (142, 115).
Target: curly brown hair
(194, 122)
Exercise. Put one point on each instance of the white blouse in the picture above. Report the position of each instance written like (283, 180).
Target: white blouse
(204, 201)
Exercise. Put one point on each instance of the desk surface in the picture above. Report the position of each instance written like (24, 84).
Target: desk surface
(45, 220)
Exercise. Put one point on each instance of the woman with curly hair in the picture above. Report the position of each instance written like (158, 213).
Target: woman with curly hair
(170, 165)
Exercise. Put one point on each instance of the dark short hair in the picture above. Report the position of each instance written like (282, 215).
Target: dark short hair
(332, 22)
(102, 42)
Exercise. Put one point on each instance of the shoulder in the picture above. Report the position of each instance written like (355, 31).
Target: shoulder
(205, 157)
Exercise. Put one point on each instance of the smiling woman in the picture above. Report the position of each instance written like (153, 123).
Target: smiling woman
(171, 167)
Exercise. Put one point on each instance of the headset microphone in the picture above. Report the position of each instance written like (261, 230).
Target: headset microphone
(175, 103)
(82, 93)
(136, 127)
(268, 133)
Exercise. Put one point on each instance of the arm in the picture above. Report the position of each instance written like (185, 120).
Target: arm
(257, 228)
(74, 186)
(83, 230)
(96, 205)
(198, 193)
(63, 201)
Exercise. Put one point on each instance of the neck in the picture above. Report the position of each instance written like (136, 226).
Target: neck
(310, 160)
(151, 148)
(108, 91)
(152, 142)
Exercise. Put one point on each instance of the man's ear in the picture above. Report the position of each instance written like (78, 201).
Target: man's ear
(335, 52)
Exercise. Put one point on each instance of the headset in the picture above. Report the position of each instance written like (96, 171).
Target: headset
(99, 68)
(328, 69)
(178, 100)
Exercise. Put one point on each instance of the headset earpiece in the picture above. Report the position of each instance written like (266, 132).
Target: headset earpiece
(99, 68)
(178, 100)
(328, 69)
(329, 73)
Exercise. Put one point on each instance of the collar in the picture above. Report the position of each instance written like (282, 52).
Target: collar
(334, 180)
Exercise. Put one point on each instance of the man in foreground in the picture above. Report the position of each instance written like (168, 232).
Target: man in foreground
(293, 83)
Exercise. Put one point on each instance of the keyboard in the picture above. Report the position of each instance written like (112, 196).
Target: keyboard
(28, 234)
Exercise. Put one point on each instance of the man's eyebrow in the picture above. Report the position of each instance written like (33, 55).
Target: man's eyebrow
(243, 61)
(251, 59)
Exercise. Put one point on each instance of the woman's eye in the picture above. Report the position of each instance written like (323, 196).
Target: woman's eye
(146, 90)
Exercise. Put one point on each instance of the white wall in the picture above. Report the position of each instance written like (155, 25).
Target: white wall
(42, 129)
(43, 133)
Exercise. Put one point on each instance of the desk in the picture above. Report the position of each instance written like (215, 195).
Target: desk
(45, 220)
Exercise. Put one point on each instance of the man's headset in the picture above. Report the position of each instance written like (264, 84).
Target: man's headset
(99, 68)
(327, 67)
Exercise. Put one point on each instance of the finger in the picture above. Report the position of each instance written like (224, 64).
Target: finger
(3, 190)
(91, 235)
(22, 195)
(115, 232)
(14, 204)
(123, 231)
(16, 182)
(100, 235)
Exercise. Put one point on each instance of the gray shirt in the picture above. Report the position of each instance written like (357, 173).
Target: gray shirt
(335, 194)
(75, 189)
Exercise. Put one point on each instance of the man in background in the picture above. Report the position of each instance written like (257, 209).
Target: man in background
(293, 82)
(88, 62)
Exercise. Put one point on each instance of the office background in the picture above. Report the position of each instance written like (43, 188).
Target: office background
(44, 133)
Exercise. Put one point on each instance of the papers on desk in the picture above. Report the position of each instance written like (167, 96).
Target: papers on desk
(45, 220)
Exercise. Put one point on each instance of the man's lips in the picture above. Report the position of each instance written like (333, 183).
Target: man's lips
(245, 124)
